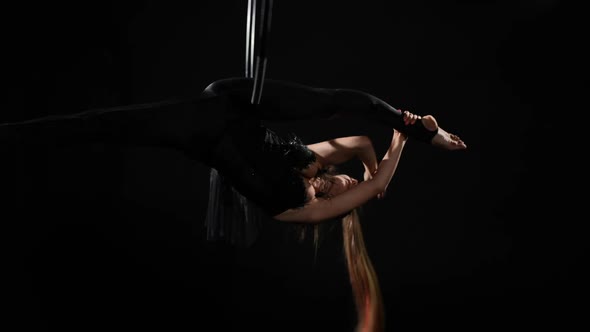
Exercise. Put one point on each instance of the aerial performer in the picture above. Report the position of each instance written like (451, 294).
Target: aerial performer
(260, 173)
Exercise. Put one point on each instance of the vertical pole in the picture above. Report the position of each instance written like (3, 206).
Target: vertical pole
(262, 56)
(250, 16)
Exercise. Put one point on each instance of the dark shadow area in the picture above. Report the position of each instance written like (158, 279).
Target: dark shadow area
(489, 239)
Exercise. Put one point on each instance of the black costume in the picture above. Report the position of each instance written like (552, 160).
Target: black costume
(221, 128)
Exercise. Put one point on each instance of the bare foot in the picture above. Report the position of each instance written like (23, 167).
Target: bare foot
(442, 139)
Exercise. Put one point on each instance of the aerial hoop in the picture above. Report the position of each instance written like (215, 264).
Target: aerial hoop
(239, 225)
(258, 24)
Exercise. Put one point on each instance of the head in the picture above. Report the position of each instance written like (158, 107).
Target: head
(328, 185)
(311, 170)
(297, 155)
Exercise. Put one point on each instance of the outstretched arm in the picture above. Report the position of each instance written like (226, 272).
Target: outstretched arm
(320, 209)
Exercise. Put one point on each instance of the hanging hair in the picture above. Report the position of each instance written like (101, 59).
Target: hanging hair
(363, 278)
(366, 291)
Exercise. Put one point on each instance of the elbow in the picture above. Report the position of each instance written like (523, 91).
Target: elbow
(363, 143)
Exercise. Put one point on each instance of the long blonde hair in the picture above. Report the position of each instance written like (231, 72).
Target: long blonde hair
(363, 278)
(366, 291)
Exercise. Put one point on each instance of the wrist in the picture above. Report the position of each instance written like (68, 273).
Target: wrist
(399, 141)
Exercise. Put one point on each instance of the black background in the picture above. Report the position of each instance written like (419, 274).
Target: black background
(106, 238)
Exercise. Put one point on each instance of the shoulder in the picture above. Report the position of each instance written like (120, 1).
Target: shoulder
(306, 213)
(299, 213)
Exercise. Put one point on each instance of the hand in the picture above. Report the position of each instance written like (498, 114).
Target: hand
(409, 118)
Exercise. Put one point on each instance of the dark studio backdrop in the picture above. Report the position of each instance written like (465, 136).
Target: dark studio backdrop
(111, 238)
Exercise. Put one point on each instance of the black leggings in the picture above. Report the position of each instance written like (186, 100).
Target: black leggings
(194, 125)
(287, 101)
(213, 127)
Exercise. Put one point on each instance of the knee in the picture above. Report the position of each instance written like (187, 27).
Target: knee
(214, 89)
(223, 86)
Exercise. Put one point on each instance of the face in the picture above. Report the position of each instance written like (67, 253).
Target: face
(333, 185)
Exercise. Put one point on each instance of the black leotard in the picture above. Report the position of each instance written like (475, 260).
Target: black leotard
(220, 128)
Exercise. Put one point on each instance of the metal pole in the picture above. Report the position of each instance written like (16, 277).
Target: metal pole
(250, 16)
(262, 56)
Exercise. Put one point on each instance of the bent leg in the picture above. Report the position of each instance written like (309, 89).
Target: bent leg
(287, 101)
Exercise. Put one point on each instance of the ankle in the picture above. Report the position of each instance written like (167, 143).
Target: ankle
(429, 123)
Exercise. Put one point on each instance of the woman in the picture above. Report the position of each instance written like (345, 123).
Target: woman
(281, 177)
(280, 166)
(301, 169)
(222, 129)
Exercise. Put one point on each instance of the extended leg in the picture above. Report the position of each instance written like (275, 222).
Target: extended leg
(287, 101)
(176, 124)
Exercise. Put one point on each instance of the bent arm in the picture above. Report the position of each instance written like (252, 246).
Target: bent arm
(343, 149)
(319, 209)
